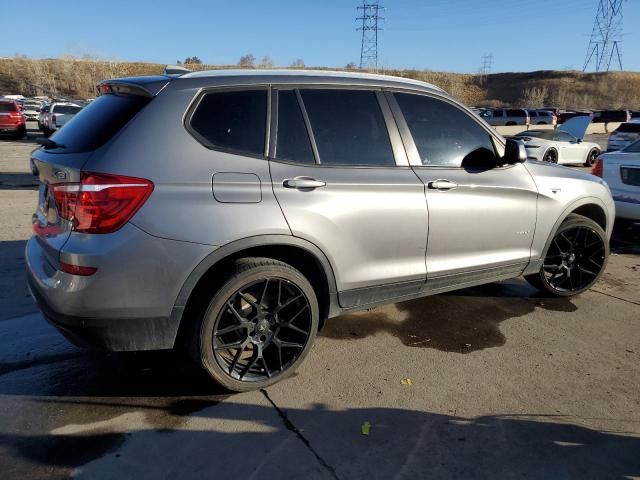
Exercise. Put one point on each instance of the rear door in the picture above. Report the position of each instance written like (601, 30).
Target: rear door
(342, 179)
(481, 217)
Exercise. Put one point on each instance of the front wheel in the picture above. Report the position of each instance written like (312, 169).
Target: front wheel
(259, 325)
(575, 258)
(550, 156)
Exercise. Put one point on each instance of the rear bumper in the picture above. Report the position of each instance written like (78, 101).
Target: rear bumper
(128, 303)
(115, 334)
(627, 207)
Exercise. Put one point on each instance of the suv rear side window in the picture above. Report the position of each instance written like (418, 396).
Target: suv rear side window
(348, 127)
(292, 137)
(232, 120)
(516, 113)
(95, 124)
(444, 135)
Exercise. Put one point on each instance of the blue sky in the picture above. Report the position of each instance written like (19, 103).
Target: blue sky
(441, 35)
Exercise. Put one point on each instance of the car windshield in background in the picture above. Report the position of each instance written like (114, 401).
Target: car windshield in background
(629, 128)
(633, 148)
(7, 107)
(544, 134)
(68, 109)
(98, 122)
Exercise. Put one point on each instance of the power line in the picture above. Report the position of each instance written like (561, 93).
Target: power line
(370, 18)
(604, 44)
(485, 67)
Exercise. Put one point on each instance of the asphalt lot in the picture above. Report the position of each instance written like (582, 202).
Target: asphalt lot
(505, 384)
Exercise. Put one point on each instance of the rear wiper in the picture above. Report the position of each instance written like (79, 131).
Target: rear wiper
(48, 143)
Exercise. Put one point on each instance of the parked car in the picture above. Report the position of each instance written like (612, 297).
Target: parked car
(567, 115)
(621, 171)
(58, 115)
(635, 114)
(541, 117)
(31, 109)
(42, 116)
(238, 210)
(563, 145)
(607, 116)
(12, 120)
(624, 135)
(505, 116)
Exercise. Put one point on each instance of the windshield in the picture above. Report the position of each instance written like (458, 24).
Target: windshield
(629, 128)
(68, 109)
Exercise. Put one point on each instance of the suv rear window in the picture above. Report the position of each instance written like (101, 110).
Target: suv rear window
(66, 109)
(232, 120)
(7, 107)
(95, 124)
(629, 128)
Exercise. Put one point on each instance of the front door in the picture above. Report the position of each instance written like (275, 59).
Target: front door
(481, 217)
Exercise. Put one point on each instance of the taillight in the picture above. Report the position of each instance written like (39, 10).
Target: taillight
(77, 269)
(597, 167)
(101, 202)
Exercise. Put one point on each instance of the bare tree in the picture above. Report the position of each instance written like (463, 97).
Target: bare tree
(266, 62)
(351, 66)
(534, 97)
(298, 63)
(247, 61)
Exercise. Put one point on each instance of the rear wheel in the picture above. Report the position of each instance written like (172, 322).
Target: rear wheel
(550, 156)
(259, 326)
(591, 157)
(575, 259)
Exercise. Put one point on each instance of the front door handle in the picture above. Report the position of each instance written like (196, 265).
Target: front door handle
(303, 183)
(442, 185)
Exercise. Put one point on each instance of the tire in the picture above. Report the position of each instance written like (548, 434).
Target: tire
(248, 307)
(21, 133)
(580, 265)
(591, 157)
(550, 156)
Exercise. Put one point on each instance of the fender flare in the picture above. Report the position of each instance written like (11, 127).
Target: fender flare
(238, 245)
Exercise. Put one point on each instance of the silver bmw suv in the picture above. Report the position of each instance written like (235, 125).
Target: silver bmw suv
(232, 212)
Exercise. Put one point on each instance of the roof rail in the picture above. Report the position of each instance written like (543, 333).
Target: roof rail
(175, 70)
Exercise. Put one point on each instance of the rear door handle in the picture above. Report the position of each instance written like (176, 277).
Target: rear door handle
(442, 185)
(303, 183)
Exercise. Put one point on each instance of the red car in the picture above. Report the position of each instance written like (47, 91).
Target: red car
(12, 120)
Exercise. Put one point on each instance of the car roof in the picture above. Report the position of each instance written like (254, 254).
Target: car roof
(324, 76)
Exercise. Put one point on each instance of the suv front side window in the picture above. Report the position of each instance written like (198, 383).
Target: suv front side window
(444, 135)
(292, 138)
(348, 127)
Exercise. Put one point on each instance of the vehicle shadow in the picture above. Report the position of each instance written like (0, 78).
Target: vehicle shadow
(15, 299)
(626, 239)
(18, 181)
(461, 321)
(235, 439)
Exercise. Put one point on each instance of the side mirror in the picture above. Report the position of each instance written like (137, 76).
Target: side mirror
(578, 140)
(515, 152)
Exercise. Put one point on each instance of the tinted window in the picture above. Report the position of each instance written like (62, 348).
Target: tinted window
(7, 107)
(233, 120)
(533, 114)
(348, 127)
(629, 128)
(293, 140)
(498, 113)
(95, 124)
(443, 134)
(516, 113)
(68, 109)
(544, 114)
(634, 148)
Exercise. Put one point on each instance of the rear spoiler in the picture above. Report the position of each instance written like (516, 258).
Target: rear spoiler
(148, 86)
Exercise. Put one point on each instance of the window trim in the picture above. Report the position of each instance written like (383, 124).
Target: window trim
(197, 99)
(275, 118)
(407, 138)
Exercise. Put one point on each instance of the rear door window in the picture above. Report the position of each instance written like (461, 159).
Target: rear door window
(232, 120)
(292, 137)
(348, 127)
(97, 123)
(516, 113)
(8, 107)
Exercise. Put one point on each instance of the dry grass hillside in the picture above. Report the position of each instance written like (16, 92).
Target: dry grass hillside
(77, 77)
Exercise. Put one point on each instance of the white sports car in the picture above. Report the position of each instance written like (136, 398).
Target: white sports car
(563, 145)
